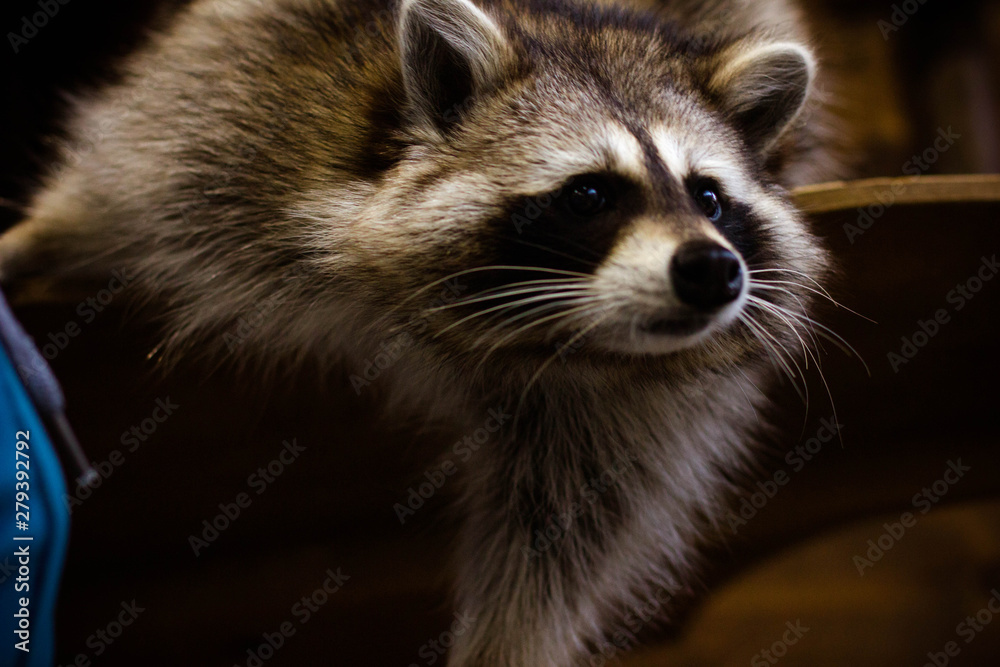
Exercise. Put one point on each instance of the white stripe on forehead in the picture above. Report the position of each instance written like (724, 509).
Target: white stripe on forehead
(673, 153)
(623, 151)
(685, 154)
(611, 148)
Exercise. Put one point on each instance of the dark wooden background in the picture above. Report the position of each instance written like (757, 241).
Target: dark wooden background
(332, 508)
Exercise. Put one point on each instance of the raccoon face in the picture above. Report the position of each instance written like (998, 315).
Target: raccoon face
(597, 179)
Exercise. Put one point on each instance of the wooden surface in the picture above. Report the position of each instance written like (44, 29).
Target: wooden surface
(907, 605)
(881, 192)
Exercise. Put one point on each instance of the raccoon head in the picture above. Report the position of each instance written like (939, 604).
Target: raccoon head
(593, 176)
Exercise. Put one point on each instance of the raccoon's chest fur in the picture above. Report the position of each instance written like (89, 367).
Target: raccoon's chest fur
(576, 212)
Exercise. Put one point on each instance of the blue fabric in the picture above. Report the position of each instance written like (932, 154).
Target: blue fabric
(31, 366)
(48, 519)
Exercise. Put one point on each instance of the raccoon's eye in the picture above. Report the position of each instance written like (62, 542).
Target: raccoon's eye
(709, 201)
(587, 196)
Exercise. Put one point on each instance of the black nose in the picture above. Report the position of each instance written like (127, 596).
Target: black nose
(706, 275)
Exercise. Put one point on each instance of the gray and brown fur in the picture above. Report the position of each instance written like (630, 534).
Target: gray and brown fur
(345, 159)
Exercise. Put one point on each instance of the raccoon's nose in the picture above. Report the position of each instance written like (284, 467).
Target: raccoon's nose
(706, 275)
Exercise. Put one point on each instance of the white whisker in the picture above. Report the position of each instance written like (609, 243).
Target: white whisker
(771, 284)
(560, 297)
(521, 329)
(771, 308)
(826, 332)
(496, 267)
(539, 289)
(776, 358)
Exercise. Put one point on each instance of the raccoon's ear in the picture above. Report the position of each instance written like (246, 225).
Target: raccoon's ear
(451, 52)
(763, 88)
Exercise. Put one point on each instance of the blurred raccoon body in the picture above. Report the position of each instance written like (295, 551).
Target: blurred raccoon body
(400, 177)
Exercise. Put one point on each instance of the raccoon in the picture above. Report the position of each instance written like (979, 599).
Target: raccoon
(575, 210)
